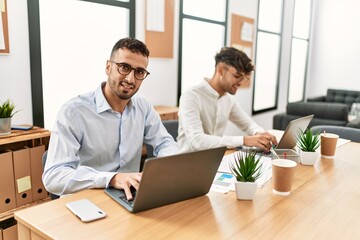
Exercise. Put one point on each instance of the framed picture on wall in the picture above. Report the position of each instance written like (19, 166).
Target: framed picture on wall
(4, 31)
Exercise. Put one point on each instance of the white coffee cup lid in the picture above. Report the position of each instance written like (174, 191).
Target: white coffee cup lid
(284, 163)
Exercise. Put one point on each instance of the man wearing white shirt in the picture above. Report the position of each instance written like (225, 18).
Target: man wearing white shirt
(205, 109)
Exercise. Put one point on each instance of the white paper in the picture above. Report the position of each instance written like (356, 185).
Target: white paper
(246, 32)
(341, 141)
(223, 182)
(266, 171)
(155, 15)
(2, 39)
(2, 6)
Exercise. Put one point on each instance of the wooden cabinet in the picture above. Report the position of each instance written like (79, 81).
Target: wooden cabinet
(167, 112)
(24, 149)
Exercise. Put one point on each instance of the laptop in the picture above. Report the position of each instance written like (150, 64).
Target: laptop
(288, 139)
(171, 179)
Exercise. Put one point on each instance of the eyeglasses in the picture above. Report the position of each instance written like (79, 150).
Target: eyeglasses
(125, 69)
(240, 77)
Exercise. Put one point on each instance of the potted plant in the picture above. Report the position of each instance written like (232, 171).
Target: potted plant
(6, 113)
(308, 142)
(246, 169)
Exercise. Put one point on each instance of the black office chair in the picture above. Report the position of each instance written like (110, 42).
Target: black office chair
(353, 134)
(172, 128)
(44, 156)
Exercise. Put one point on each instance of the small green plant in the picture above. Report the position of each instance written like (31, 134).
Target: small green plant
(246, 167)
(308, 141)
(7, 109)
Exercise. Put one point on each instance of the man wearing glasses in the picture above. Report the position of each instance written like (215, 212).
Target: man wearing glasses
(205, 109)
(98, 137)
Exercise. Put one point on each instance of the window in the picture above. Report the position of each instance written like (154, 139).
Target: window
(88, 43)
(202, 34)
(299, 50)
(267, 57)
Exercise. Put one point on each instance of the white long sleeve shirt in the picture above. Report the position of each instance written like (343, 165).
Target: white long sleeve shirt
(90, 142)
(203, 116)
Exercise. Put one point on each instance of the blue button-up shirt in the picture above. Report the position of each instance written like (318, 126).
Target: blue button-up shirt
(90, 142)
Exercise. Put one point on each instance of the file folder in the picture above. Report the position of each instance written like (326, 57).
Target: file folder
(22, 174)
(7, 186)
(38, 189)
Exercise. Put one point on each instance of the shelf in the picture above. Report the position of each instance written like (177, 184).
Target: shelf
(24, 135)
(10, 213)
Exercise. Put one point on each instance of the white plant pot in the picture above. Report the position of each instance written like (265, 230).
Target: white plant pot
(5, 126)
(308, 158)
(245, 190)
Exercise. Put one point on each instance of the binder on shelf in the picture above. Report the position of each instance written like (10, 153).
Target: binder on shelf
(22, 174)
(37, 186)
(7, 186)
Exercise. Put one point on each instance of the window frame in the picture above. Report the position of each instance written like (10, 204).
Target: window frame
(35, 50)
(280, 34)
(307, 51)
(183, 16)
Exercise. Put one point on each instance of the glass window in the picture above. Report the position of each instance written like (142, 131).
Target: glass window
(302, 17)
(267, 62)
(198, 53)
(297, 69)
(210, 9)
(69, 66)
(202, 34)
(299, 50)
(267, 57)
(270, 15)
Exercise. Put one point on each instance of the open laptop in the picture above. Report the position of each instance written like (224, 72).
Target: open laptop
(288, 139)
(171, 179)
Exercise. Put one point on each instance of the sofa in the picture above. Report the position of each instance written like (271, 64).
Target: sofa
(332, 109)
(347, 97)
(335, 114)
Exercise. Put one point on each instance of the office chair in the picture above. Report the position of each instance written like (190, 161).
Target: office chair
(172, 128)
(353, 134)
(44, 156)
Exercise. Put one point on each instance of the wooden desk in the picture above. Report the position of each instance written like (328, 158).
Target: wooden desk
(324, 204)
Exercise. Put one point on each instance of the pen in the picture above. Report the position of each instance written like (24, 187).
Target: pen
(272, 150)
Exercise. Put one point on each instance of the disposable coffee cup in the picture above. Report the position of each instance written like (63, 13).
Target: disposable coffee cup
(328, 145)
(283, 172)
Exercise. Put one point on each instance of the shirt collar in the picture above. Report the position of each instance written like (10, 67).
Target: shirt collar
(210, 89)
(101, 103)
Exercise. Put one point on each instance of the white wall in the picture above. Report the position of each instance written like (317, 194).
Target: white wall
(335, 56)
(333, 61)
(15, 67)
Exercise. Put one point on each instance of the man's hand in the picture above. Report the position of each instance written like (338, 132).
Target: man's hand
(264, 140)
(125, 181)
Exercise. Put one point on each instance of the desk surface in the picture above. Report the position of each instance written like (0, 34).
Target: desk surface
(324, 204)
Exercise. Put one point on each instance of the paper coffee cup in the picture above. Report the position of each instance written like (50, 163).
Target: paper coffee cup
(283, 172)
(328, 145)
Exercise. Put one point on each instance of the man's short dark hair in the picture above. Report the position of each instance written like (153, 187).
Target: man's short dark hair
(134, 45)
(236, 58)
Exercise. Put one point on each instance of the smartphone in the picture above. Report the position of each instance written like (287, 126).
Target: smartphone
(21, 127)
(85, 210)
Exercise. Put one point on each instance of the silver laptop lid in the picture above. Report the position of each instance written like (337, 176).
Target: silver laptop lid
(288, 140)
(175, 178)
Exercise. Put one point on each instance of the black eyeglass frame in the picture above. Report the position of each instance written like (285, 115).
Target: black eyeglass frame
(242, 77)
(131, 68)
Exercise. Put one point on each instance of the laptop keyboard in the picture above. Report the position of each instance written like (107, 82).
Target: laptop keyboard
(131, 201)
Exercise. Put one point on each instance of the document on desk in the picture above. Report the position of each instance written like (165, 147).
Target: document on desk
(224, 183)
